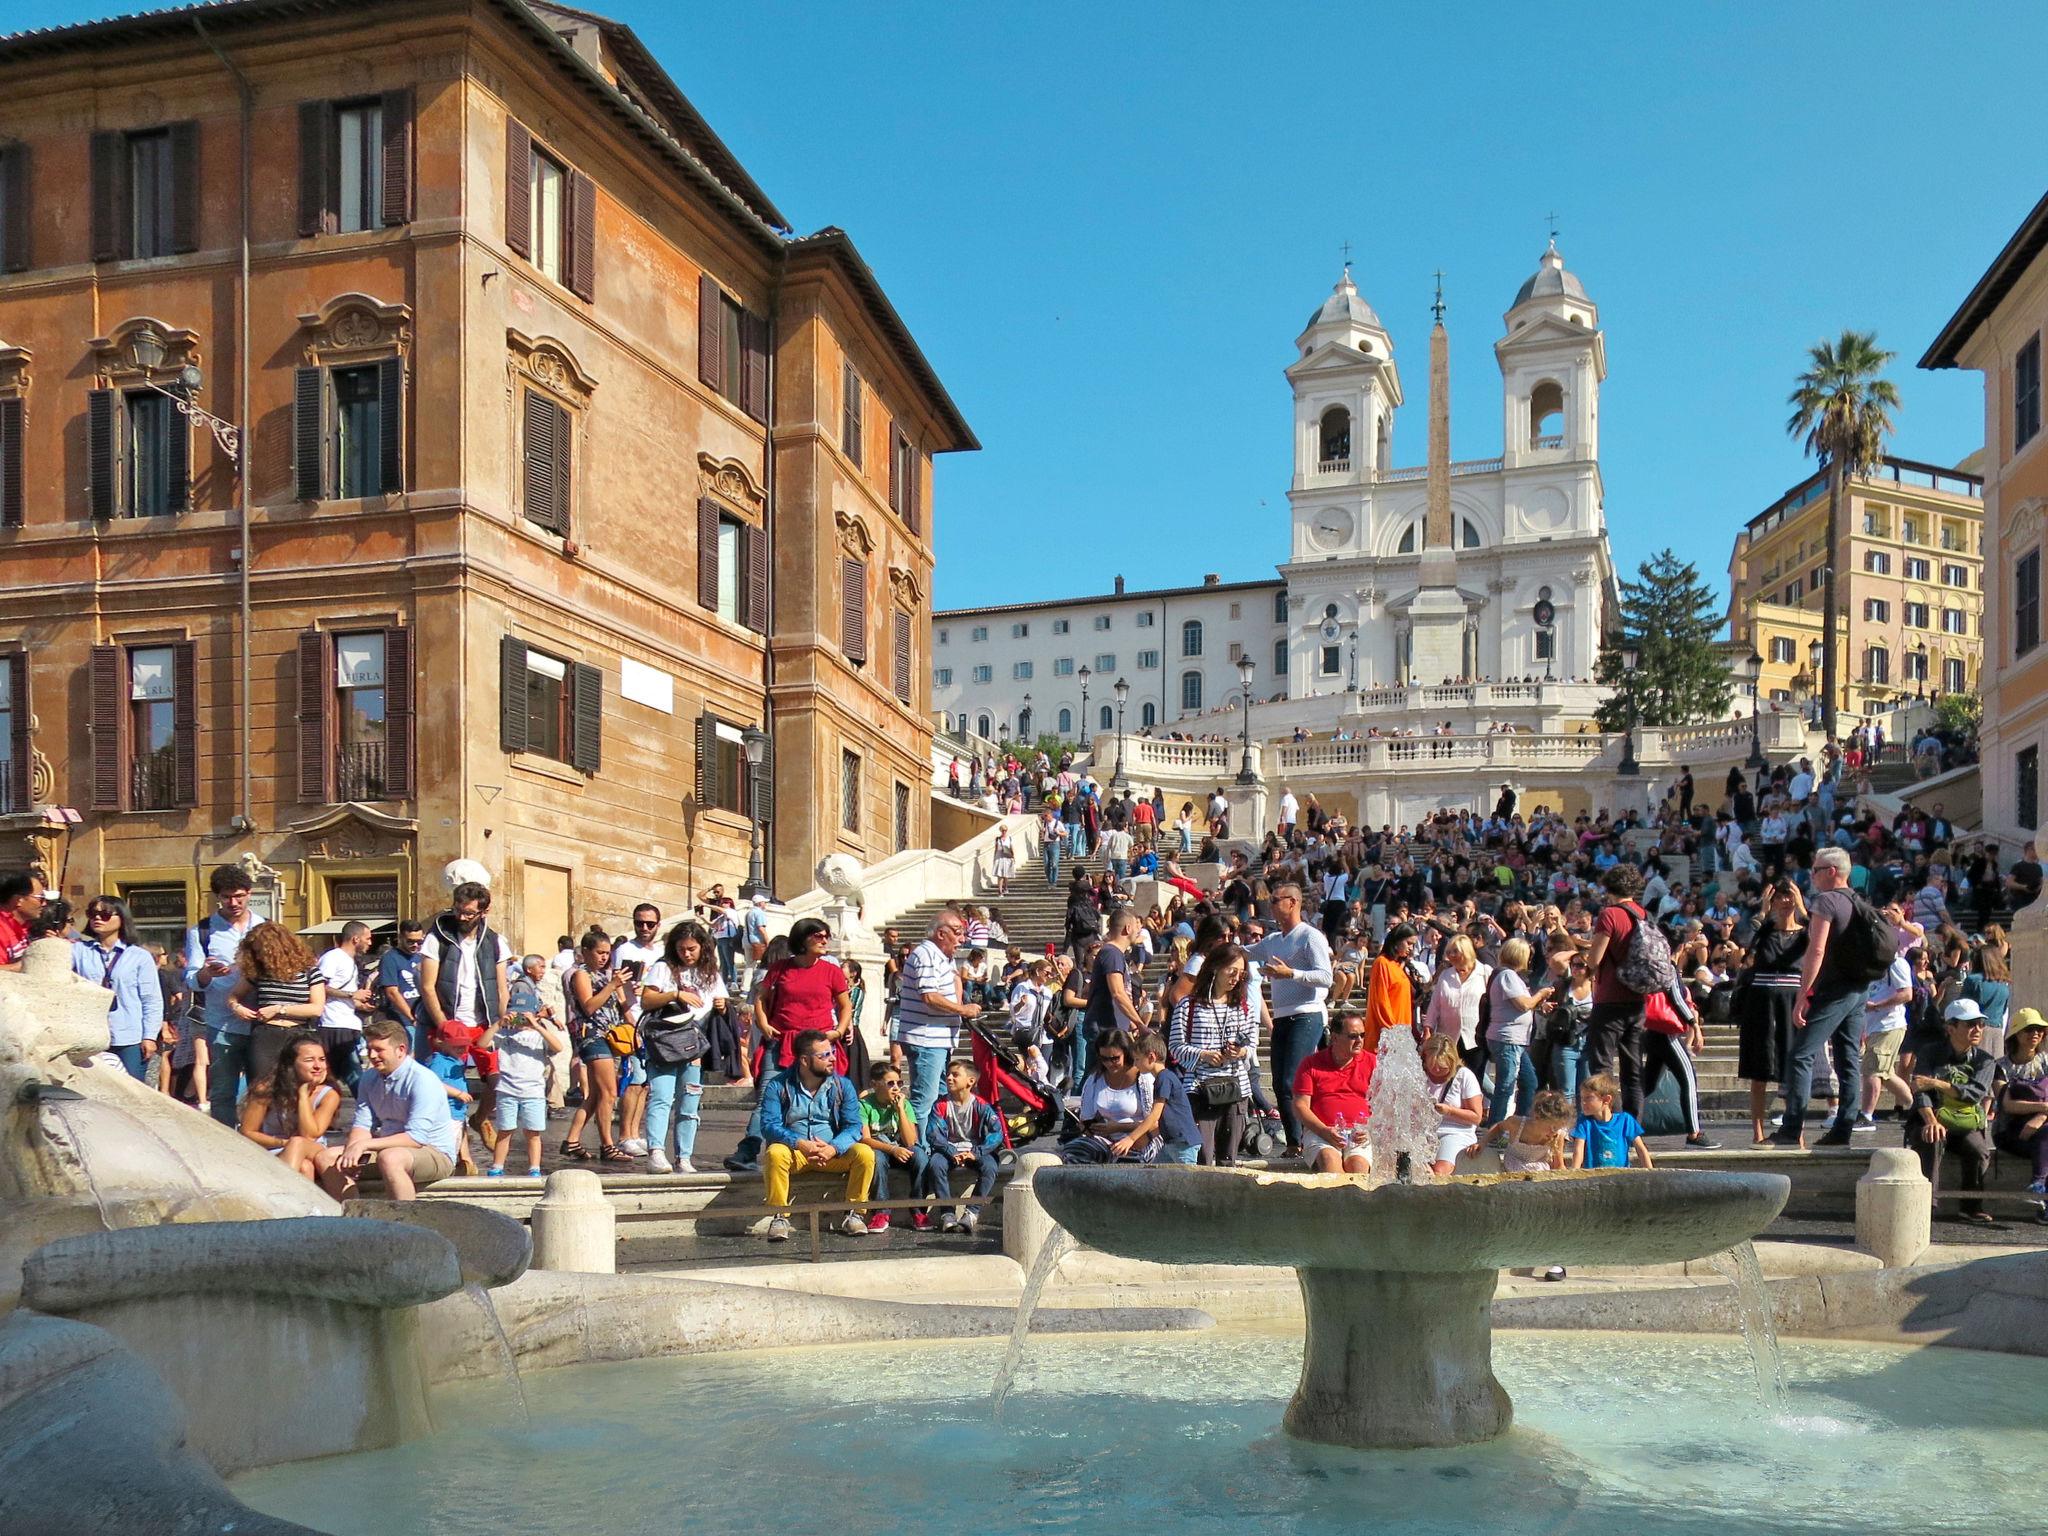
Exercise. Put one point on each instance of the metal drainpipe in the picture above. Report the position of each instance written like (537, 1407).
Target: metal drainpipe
(768, 520)
(244, 821)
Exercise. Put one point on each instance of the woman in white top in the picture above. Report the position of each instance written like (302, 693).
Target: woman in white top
(1459, 1106)
(678, 992)
(1116, 1105)
(1453, 1008)
(1510, 1031)
(1006, 860)
(1030, 1016)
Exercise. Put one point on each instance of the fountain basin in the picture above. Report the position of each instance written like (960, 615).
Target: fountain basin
(1397, 1281)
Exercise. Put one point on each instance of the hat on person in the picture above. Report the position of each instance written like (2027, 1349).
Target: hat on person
(522, 997)
(2028, 1018)
(1963, 1010)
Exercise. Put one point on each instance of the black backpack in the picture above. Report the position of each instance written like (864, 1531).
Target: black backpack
(1865, 948)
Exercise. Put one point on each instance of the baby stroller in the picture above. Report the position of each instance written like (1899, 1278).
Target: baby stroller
(1027, 1110)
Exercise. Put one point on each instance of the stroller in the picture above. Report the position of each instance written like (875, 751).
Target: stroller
(1026, 1110)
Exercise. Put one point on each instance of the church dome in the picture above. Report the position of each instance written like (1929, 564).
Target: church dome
(1551, 281)
(1345, 307)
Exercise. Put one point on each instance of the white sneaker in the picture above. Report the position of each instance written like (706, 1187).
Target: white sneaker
(854, 1225)
(657, 1162)
(969, 1220)
(637, 1146)
(684, 1165)
(778, 1229)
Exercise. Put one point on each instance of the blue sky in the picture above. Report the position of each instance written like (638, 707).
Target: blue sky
(1106, 224)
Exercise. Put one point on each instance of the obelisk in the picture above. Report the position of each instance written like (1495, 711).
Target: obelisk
(1436, 617)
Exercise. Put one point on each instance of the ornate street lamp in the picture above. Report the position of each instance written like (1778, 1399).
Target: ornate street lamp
(754, 742)
(1120, 779)
(1631, 658)
(1753, 669)
(1085, 675)
(1245, 667)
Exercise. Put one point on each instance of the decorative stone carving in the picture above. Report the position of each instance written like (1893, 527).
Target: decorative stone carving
(2023, 524)
(1501, 584)
(549, 363)
(355, 327)
(854, 539)
(42, 778)
(905, 587)
(1583, 576)
(730, 480)
(14, 364)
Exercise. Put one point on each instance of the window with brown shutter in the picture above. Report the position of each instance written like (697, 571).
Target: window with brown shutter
(14, 782)
(316, 201)
(755, 544)
(546, 463)
(904, 487)
(15, 166)
(185, 724)
(849, 413)
(109, 195)
(581, 250)
(710, 331)
(586, 718)
(316, 717)
(309, 434)
(708, 520)
(853, 610)
(511, 694)
(518, 188)
(400, 771)
(902, 657)
(13, 477)
(355, 163)
(395, 169)
(145, 192)
(107, 676)
(99, 453)
(184, 191)
(754, 377)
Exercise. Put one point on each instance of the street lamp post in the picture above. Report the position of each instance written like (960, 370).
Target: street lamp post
(754, 742)
(1120, 779)
(1024, 721)
(1813, 655)
(1631, 658)
(1085, 675)
(1754, 669)
(1245, 667)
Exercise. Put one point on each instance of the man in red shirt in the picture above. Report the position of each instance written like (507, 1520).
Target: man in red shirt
(21, 903)
(1614, 1029)
(1333, 1099)
(1141, 823)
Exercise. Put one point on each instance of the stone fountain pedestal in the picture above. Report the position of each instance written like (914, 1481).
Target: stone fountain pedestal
(1397, 1281)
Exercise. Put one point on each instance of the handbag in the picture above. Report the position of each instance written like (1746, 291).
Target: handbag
(677, 1043)
(1220, 1090)
(1658, 1014)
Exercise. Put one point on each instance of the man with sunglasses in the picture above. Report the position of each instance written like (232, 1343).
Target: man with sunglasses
(109, 957)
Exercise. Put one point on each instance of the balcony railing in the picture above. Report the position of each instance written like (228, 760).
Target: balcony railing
(1548, 440)
(1334, 467)
(359, 771)
(152, 783)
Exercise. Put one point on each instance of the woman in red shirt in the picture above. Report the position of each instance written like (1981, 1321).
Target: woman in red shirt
(805, 991)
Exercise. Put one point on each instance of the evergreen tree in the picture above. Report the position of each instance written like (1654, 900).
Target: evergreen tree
(1672, 617)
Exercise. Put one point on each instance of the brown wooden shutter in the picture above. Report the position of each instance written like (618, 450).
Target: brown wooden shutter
(707, 759)
(511, 694)
(400, 747)
(582, 252)
(391, 425)
(760, 782)
(754, 376)
(178, 459)
(754, 560)
(99, 453)
(112, 214)
(317, 214)
(16, 169)
(913, 495)
(397, 147)
(853, 610)
(13, 479)
(707, 553)
(18, 746)
(902, 678)
(849, 413)
(184, 723)
(107, 674)
(317, 737)
(309, 434)
(518, 190)
(184, 189)
(710, 315)
(546, 463)
(586, 717)
(895, 441)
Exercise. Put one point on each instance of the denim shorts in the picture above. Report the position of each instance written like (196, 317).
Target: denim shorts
(510, 1114)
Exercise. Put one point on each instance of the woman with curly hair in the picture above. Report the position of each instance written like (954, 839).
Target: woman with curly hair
(279, 992)
(289, 1112)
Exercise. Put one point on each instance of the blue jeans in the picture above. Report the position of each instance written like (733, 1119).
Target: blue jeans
(1053, 846)
(131, 1058)
(1121, 868)
(889, 1174)
(1837, 1026)
(224, 1076)
(728, 961)
(1514, 1079)
(1295, 1038)
(1073, 1051)
(1077, 839)
(1564, 1070)
(927, 1077)
(938, 1173)
(679, 1090)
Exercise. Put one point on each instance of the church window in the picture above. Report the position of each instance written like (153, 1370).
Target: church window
(1149, 715)
(1546, 644)
(984, 726)
(1190, 692)
(1329, 610)
(1191, 638)
(1102, 718)
(1546, 415)
(1280, 606)
(1333, 660)
(1066, 723)
(1407, 541)
(1471, 534)
(1280, 656)
(1336, 437)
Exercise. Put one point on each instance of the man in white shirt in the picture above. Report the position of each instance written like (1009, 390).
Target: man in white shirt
(1884, 1031)
(1296, 960)
(1290, 811)
(348, 999)
(1116, 847)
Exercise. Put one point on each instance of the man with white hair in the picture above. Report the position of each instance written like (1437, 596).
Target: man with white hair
(927, 1006)
(1829, 1013)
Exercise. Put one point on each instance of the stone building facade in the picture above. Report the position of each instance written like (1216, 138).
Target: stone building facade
(566, 465)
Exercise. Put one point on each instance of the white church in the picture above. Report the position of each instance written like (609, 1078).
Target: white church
(1399, 578)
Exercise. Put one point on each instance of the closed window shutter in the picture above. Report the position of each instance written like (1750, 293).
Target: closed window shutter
(754, 377)
(16, 167)
(106, 673)
(184, 189)
(853, 610)
(707, 553)
(707, 759)
(561, 477)
(895, 471)
(99, 452)
(754, 550)
(397, 157)
(17, 747)
(399, 744)
(586, 717)
(710, 312)
(849, 414)
(309, 437)
(391, 425)
(317, 214)
(518, 188)
(185, 723)
(582, 236)
(111, 211)
(545, 422)
(316, 715)
(760, 800)
(902, 620)
(511, 694)
(13, 417)
(178, 458)
(913, 496)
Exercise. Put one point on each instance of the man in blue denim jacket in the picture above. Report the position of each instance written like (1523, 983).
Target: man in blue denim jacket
(810, 1120)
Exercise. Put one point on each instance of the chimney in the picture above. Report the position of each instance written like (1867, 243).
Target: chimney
(1211, 579)
(1119, 586)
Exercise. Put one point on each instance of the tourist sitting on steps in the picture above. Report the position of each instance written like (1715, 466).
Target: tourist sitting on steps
(962, 1132)
(1952, 1085)
(811, 1123)
(889, 1130)
(402, 1127)
(1332, 1099)
(288, 1113)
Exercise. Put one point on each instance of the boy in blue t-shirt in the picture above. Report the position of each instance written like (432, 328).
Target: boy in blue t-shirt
(1605, 1137)
(1180, 1141)
(450, 1063)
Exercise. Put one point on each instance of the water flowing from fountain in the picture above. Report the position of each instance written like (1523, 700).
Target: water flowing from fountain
(1059, 1242)
(1753, 1308)
(506, 1354)
(1404, 1117)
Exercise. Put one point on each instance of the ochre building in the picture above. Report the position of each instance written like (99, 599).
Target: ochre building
(550, 464)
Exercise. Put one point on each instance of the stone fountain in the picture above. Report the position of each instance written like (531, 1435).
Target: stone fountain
(1397, 1280)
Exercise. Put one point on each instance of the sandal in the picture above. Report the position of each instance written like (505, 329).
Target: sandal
(1977, 1219)
(615, 1154)
(577, 1152)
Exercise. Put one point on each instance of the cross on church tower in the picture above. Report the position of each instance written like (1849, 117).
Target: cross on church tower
(1437, 308)
(1345, 247)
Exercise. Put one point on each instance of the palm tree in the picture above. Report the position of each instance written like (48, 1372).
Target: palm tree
(1842, 405)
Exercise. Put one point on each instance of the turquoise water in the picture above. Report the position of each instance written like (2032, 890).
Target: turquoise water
(1156, 1435)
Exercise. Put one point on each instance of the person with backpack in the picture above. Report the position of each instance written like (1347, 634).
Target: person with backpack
(1630, 959)
(1848, 946)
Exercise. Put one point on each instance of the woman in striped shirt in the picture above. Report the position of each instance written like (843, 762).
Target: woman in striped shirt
(278, 992)
(1210, 1040)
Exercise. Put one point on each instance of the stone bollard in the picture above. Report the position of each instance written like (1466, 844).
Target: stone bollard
(1025, 1224)
(1894, 1208)
(574, 1226)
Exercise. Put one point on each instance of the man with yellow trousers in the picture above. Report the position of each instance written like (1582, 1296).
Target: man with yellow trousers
(810, 1120)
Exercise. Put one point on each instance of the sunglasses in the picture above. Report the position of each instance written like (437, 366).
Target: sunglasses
(646, 922)
(99, 914)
